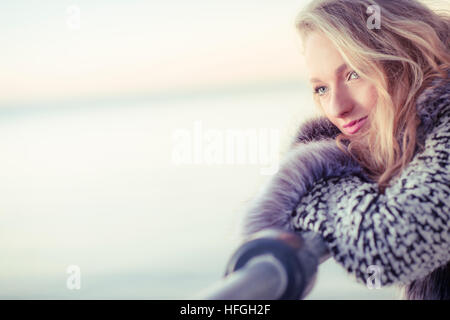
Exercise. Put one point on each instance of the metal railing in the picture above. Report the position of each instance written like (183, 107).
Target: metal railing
(271, 265)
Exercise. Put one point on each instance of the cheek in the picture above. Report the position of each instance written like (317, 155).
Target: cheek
(365, 96)
(330, 117)
(322, 107)
(370, 97)
(374, 96)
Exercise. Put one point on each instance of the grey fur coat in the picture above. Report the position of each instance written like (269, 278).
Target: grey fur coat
(405, 231)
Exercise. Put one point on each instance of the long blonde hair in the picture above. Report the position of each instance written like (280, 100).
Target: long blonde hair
(410, 48)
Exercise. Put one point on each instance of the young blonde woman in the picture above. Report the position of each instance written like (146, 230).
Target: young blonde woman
(371, 174)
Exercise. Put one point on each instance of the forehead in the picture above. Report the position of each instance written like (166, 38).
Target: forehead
(322, 58)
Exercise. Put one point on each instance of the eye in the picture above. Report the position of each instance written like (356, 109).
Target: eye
(320, 90)
(353, 75)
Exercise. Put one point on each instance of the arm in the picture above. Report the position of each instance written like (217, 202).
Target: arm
(405, 231)
(301, 168)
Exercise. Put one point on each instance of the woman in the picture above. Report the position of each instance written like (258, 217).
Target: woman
(371, 173)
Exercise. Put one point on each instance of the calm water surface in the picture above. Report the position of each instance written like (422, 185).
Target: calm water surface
(97, 187)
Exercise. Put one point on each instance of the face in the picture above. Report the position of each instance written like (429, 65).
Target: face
(343, 95)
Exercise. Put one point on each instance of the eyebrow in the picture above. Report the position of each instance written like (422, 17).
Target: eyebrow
(341, 68)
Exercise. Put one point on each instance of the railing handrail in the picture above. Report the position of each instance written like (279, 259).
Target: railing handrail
(272, 264)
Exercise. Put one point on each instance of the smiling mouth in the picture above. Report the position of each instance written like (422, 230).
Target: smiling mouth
(354, 126)
(350, 124)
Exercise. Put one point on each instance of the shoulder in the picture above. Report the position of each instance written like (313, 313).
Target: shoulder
(433, 132)
(433, 107)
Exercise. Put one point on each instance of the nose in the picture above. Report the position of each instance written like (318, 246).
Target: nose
(341, 103)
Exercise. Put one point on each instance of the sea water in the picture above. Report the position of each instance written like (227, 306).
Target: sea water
(94, 184)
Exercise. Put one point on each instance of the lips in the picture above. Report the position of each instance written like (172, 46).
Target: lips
(355, 125)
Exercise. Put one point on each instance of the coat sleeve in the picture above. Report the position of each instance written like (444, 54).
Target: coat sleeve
(404, 233)
(302, 166)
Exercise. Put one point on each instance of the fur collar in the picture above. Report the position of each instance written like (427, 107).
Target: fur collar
(310, 161)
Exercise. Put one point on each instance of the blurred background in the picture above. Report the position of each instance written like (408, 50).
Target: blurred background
(93, 98)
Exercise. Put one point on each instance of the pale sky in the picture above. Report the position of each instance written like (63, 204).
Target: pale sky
(126, 47)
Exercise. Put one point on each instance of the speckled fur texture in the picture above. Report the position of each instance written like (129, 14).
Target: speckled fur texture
(405, 231)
